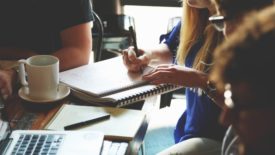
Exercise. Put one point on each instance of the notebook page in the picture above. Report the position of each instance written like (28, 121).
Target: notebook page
(103, 78)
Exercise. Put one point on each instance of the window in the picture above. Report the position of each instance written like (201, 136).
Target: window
(151, 22)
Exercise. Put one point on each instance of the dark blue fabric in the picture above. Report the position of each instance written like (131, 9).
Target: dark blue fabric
(201, 116)
(36, 24)
(171, 39)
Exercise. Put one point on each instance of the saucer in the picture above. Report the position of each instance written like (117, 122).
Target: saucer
(63, 92)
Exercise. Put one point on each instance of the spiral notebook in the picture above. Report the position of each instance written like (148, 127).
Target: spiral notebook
(109, 83)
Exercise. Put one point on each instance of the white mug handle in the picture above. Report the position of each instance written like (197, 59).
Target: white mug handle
(22, 73)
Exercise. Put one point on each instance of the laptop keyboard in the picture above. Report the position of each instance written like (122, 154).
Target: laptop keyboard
(114, 148)
(37, 144)
(48, 144)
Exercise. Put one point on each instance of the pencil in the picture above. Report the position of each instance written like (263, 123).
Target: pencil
(88, 122)
(134, 40)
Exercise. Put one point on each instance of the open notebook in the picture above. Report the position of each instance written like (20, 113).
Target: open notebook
(28, 142)
(109, 83)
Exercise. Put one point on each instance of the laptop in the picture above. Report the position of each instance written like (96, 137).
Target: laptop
(44, 142)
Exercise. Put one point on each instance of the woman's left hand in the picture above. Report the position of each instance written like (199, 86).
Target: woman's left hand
(175, 74)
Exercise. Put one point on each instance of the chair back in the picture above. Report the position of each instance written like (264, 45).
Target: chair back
(98, 27)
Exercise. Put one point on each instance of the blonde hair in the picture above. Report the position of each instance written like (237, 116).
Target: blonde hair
(194, 26)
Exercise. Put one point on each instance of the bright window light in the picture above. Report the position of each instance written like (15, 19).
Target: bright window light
(151, 22)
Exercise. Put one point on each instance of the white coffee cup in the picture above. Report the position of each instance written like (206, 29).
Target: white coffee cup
(42, 73)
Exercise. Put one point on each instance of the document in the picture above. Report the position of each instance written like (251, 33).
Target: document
(123, 124)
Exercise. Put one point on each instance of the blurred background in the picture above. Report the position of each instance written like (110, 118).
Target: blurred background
(150, 19)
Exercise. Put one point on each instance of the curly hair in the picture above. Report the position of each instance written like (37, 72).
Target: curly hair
(233, 8)
(248, 55)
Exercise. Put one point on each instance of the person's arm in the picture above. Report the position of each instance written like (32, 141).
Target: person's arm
(160, 52)
(163, 52)
(75, 51)
(184, 76)
(135, 64)
(76, 46)
(168, 45)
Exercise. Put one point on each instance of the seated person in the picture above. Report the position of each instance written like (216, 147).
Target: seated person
(61, 28)
(244, 71)
(197, 130)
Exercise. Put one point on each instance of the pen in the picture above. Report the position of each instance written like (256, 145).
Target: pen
(88, 122)
(134, 40)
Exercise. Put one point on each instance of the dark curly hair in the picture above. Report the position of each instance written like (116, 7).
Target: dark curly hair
(233, 8)
(248, 55)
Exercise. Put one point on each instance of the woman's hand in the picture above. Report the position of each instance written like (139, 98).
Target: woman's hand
(6, 82)
(175, 74)
(134, 63)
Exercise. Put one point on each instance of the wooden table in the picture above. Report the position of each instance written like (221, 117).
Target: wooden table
(26, 115)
